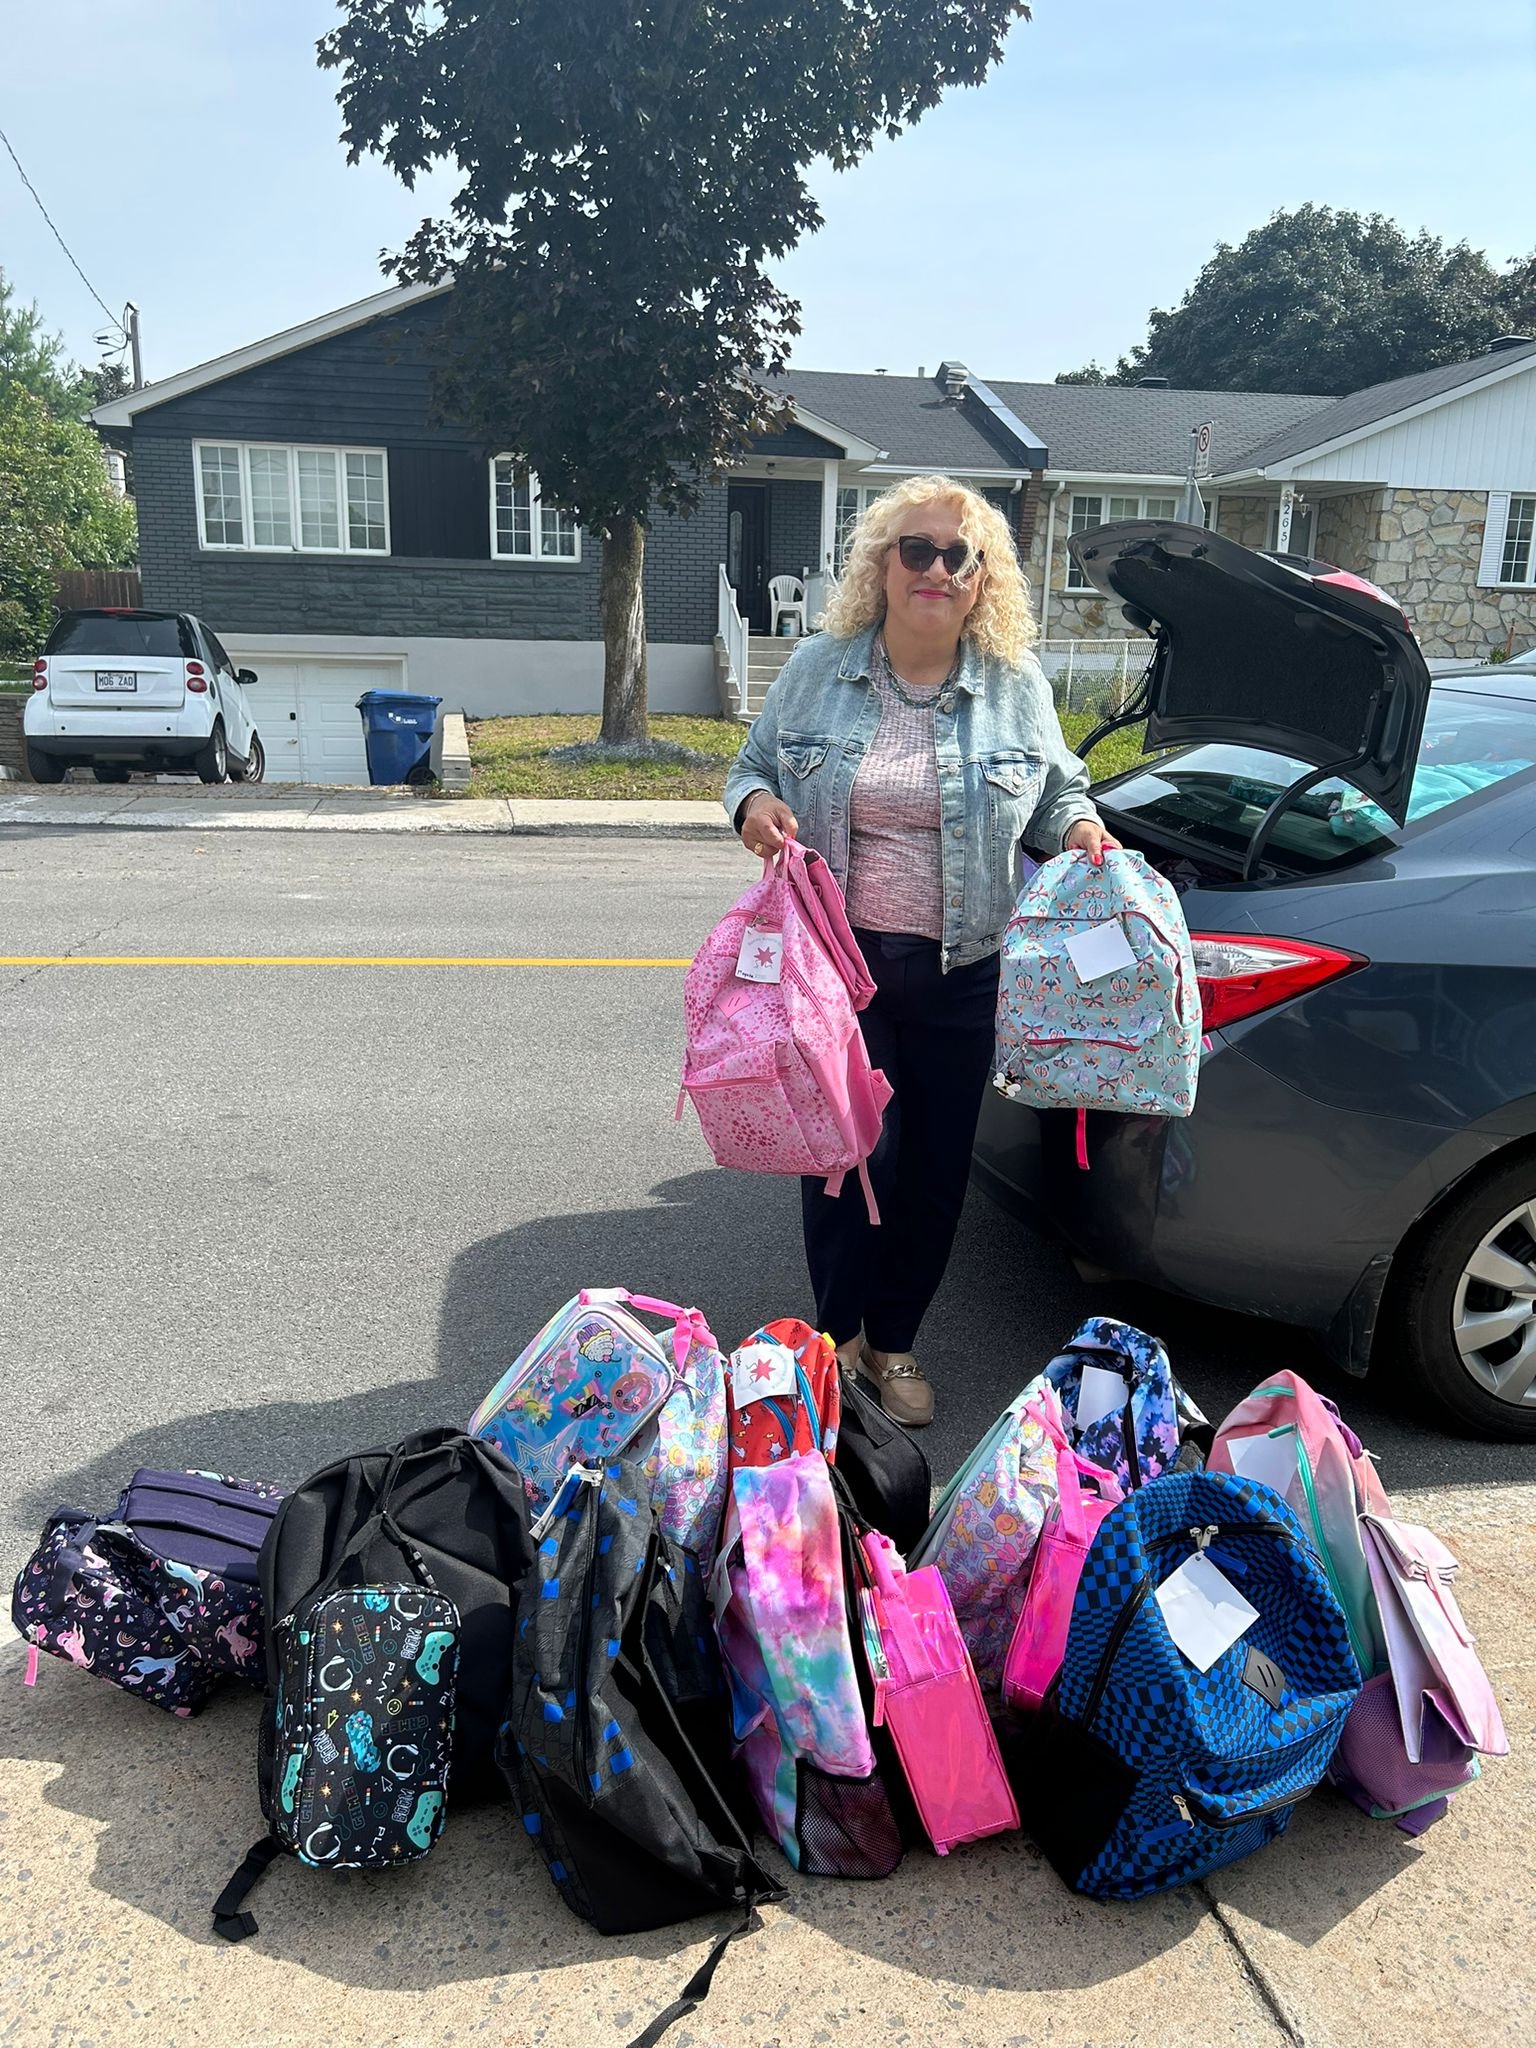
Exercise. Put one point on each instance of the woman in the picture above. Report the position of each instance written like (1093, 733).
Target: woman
(914, 745)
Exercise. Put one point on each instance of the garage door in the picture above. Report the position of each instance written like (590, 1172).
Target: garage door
(306, 713)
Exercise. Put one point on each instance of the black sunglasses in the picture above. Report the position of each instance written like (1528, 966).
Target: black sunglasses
(919, 553)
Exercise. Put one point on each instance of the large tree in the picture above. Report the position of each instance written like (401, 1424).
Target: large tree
(1327, 301)
(629, 168)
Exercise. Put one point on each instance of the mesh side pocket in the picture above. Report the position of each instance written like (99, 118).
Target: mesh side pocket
(844, 1826)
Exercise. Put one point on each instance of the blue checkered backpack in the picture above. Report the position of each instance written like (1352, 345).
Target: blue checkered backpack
(1146, 1772)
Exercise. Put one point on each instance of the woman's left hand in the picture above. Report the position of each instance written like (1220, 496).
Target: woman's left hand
(1089, 836)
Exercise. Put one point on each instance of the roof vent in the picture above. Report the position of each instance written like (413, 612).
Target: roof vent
(1151, 383)
(1500, 342)
(953, 379)
(921, 371)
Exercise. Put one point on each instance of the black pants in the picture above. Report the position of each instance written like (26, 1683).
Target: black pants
(933, 1035)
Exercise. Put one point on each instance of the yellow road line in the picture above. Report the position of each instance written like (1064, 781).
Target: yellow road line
(320, 960)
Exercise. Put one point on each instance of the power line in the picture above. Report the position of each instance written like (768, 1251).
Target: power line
(96, 295)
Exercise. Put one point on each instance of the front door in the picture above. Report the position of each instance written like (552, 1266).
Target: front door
(746, 551)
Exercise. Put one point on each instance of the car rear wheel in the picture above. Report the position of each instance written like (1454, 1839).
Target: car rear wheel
(212, 761)
(1469, 1308)
(255, 764)
(44, 767)
(109, 773)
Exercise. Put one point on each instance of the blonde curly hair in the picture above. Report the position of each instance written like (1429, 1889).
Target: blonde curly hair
(1001, 622)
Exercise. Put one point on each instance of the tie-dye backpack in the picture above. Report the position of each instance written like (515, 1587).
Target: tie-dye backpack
(1098, 1005)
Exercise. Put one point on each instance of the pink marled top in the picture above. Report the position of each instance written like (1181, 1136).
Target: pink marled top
(895, 875)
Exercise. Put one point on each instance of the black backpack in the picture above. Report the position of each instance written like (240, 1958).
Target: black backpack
(441, 1509)
(885, 1467)
(616, 1743)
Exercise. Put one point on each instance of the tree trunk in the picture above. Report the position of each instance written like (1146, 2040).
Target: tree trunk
(623, 609)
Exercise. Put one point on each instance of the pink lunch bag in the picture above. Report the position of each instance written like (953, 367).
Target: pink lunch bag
(1040, 1637)
(776, 1065)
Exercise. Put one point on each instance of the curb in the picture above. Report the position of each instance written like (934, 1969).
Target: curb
(310, 810)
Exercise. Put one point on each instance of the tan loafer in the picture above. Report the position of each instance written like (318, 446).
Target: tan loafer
(848, 1353)
(904, 1394)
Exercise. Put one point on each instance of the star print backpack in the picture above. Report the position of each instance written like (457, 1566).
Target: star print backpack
(775, 1064)
(1098, 1006)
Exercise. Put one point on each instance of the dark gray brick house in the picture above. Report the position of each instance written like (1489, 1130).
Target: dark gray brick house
(298, 495)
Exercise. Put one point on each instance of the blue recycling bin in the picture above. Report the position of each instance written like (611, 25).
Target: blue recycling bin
(397, 731)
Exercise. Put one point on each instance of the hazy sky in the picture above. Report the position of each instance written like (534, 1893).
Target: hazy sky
(188, 151)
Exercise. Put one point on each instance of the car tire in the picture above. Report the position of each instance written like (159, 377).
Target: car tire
(212, 761)
(1480, 1262)
(110, 773)
(255, 763)
(45, 767)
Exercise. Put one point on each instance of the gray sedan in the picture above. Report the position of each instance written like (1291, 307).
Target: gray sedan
(1355, 849)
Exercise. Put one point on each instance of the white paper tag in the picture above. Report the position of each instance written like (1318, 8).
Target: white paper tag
(1101, 949)
(762, 955)
(1101, 1393)
(1269, 1459)
(761, 1372)
(1204, 1611)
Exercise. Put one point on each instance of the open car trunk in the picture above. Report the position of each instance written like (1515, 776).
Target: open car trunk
(1293, 659)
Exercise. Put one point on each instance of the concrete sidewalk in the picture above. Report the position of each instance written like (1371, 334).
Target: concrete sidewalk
(119, 1825)
(291, 807)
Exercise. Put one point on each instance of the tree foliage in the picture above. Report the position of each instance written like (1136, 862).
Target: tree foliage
(629, 168)
(57, 506)
(1322, 300)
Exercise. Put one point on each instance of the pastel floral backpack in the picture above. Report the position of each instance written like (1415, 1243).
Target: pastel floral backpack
(775, 1063)
(1098, 1005)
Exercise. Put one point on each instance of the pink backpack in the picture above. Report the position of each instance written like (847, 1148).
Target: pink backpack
(776, 1065)
(1040, 1640)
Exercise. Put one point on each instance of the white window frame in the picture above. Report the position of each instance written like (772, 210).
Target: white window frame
(1496, 542)
(295, 546)
(535, 551)
(864, 494)
(1104, 492)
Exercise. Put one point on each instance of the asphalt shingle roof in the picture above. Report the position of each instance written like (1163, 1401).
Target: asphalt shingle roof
(1110, 430)
(1377, 402)
(908, 416)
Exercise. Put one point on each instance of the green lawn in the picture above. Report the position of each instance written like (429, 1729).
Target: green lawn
(509, 757)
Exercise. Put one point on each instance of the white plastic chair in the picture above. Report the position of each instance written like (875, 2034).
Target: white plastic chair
(786, 598)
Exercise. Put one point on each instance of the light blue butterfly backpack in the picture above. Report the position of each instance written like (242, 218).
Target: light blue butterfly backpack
(1098, 1005)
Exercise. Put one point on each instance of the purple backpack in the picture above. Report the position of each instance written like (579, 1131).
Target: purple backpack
(162, 1598)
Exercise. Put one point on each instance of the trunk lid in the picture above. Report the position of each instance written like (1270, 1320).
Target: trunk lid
(118, 661)
(1266, 651)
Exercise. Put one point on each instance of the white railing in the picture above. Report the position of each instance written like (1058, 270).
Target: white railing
(817, 587)
(1093, 675)
(732, 628)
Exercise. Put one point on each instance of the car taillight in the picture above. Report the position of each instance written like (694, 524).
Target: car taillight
(197, 681)
(39, 674)
(1240, 977)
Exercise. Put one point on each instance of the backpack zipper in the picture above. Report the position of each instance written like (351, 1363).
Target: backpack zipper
(1197, 1813)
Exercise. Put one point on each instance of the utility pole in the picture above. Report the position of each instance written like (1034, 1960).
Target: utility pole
(131, 322)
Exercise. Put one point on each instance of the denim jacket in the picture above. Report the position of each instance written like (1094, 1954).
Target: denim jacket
(1006, 775)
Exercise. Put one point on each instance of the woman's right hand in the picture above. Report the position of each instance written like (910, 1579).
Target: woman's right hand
(766, 823)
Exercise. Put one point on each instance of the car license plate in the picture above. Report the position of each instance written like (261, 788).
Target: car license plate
(117, 680)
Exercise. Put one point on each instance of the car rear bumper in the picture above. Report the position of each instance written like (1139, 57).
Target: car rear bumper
(1263, 1201)
(117, 746)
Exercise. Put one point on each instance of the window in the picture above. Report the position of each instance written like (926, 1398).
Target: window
(523, 527)
(330, 501)
(1516, 564)
(852, 503)
(1213, 796)
(151, 634)
(1095, 509)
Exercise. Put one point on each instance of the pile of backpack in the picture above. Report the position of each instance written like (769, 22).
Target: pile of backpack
(664, 1599)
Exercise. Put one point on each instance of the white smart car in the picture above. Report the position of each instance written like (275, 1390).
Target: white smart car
(119, 690)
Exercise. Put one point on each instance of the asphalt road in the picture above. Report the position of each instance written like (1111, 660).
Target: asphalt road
(254, 1218)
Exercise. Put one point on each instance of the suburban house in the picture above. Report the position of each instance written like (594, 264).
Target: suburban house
(299, 495)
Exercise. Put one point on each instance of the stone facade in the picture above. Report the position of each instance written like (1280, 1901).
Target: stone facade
(1073, 614)
(1244, 519)
(1424, 546)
